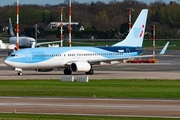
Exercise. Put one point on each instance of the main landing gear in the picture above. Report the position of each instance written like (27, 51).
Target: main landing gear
(20, 73)
(90, 72)
(67, 71)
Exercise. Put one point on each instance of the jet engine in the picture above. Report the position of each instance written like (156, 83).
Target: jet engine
(44, 70)
(80, 66)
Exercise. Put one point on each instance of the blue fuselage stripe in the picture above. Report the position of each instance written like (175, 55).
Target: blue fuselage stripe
(35, 55)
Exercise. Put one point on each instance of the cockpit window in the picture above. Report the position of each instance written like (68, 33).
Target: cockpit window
(13, 55)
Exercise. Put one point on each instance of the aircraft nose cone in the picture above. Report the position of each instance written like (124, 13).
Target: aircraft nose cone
(7, 62)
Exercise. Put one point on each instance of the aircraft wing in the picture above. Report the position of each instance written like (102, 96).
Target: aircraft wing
(43, 43)
(117, 59)
(131, 57)
(109, 60)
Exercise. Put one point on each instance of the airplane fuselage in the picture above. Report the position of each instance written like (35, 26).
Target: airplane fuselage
(24, 42)
(60, 57)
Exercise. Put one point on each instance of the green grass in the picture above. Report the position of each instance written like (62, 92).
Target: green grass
(67, 117)
(101, 88)
(131, 88)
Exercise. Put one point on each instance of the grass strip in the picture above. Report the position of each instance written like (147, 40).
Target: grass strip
(132, 88)
(68, 117)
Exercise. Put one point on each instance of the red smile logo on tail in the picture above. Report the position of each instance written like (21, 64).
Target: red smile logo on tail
(141, 31)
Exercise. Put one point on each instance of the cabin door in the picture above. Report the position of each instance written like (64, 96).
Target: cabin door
(128, 52)
(29, 55)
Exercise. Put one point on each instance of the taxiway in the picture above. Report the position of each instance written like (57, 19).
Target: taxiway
(167, 67)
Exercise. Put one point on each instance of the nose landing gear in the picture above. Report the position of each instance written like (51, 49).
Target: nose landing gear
(19, 71)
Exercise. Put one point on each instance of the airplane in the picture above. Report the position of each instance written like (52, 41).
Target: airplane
(82, 59)
(24, 41)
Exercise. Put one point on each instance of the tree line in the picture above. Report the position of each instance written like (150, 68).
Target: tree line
(101, 20)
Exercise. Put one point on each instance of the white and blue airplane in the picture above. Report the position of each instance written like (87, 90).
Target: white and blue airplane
(74, 59)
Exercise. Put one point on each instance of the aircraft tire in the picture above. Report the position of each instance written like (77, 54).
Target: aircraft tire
(67, 71)
(90, 72)
(20, 73)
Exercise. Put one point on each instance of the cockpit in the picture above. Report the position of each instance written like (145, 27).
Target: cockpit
(14, 55)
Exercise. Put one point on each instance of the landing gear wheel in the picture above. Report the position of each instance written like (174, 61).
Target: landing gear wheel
(20, 73)
(90, 72)
(67, 71)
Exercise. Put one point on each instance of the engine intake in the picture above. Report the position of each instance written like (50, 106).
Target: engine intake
(80, 66)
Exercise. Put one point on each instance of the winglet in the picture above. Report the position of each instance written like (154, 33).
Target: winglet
(164, 49)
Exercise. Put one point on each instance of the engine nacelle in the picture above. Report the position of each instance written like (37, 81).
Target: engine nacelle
(44, 69)
(80, 66)
(38, 45)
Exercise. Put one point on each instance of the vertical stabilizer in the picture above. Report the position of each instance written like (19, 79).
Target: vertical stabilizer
(136, 35)
(11, 28)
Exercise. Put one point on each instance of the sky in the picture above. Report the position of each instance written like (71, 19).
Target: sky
(54, 2)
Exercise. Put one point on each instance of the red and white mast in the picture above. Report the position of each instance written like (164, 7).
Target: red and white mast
(154, 38)
(61, 25)
(69, 43)
(17, 25)
(130, 14)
